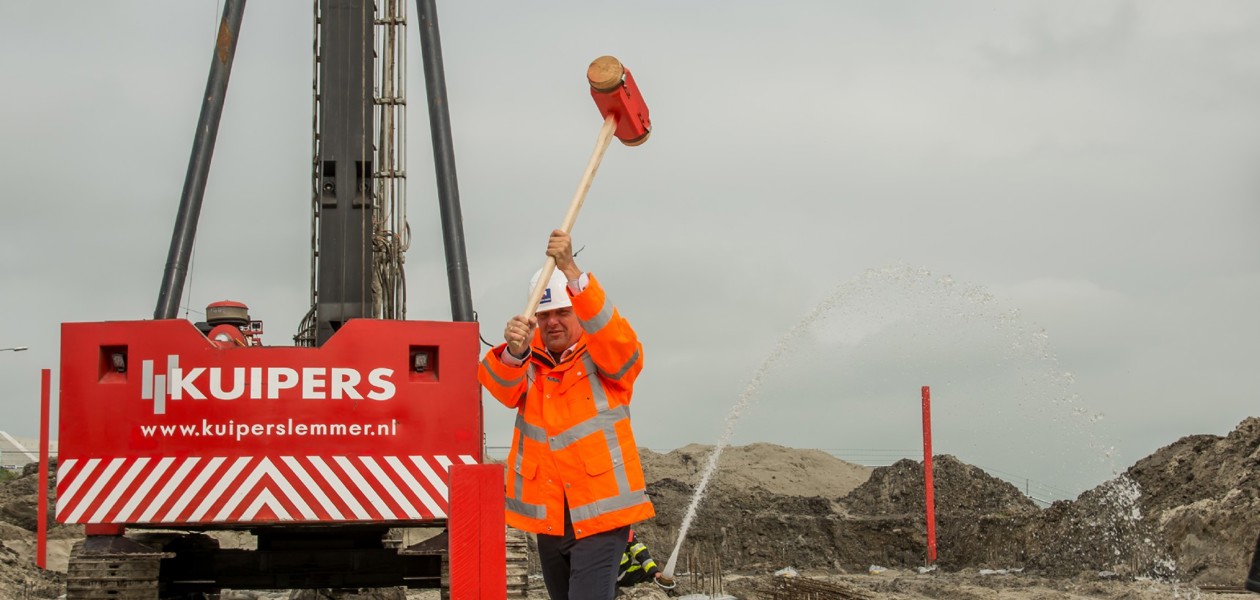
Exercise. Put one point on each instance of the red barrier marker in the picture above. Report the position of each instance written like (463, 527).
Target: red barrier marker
(41, 528)
(476, 525)
(927, 475)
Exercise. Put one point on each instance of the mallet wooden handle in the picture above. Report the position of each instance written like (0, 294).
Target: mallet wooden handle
(601, 144)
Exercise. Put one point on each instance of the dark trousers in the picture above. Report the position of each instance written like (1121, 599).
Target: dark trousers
(584, 569)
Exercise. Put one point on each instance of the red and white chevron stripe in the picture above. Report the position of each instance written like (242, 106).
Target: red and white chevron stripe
(253, 489)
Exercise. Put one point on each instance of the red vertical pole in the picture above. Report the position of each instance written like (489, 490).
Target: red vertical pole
(41, 528)
(927, 475)
(477, 551)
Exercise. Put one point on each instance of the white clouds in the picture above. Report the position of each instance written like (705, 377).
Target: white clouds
(1062, 295)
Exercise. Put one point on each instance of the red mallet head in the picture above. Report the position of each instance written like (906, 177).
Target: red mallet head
(616, 95)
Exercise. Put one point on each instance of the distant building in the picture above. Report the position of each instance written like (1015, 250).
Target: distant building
(16, 452)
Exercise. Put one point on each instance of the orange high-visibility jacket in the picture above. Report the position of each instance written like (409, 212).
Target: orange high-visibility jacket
(573, 441)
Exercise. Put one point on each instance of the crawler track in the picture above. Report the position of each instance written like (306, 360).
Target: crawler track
(517, 564)
(116, 573)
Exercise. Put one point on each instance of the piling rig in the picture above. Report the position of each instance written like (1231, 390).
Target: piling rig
(368, 425)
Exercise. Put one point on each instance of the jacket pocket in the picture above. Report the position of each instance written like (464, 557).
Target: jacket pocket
(527, 467)
(572, 379)
(595, 455)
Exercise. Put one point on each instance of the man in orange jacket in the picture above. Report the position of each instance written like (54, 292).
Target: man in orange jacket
(573, 471)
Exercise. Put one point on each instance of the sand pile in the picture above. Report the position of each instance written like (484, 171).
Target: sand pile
(1203, 494)
(978, 516)
(771, 507)
(1190, 512)
(786, 471)
(19, 577)
(766, 505)
(959, 488)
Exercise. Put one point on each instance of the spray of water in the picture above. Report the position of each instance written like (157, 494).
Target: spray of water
(915, 319)
(1008, 402)
(731, 419)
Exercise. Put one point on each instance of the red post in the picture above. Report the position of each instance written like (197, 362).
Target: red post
(477, 550)
(41, 528)
(927, 475)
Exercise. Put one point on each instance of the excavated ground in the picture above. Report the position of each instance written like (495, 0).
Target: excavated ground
(19, 577)
(1184, 518)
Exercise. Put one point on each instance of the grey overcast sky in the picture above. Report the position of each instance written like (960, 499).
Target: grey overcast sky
(1046, 210)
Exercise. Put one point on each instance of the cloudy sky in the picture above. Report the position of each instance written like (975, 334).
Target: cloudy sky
(1045, 210)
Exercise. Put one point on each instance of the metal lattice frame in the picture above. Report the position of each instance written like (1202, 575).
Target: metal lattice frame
(391, 235)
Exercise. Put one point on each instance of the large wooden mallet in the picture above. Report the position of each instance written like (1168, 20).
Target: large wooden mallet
(626, 116)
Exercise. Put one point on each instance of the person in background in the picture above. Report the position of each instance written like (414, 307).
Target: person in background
(637, 566)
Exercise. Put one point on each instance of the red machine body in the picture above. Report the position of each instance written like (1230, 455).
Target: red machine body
(327, 451)
(161, 427)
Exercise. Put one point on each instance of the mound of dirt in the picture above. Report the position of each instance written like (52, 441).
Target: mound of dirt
(766, 506)
(1189, 512)
(848, 518)
(751, 529)
(785, 471)
(980, 519)
(19, 577)
(1203, 494)
(1200, 467)
(959, 488)
(19, 501)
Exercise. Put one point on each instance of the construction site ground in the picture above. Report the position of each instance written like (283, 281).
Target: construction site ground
(789, 523)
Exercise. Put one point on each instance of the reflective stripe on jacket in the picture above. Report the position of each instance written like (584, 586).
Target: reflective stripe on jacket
(573, 442)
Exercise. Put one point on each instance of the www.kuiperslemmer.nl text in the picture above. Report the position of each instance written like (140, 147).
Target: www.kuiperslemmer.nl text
(239, 431)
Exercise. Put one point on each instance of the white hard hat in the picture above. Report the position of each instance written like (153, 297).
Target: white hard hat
(555, 294)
